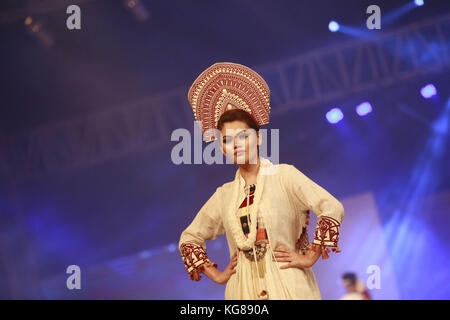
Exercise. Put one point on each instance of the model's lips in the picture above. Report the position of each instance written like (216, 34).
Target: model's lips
(239, 152)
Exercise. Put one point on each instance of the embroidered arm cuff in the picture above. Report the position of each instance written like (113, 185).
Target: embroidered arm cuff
(326, 236)
(195, 259)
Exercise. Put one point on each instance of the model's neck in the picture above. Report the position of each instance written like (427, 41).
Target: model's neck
(249, 171)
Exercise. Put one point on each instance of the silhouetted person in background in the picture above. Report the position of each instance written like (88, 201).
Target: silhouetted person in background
(354, 287)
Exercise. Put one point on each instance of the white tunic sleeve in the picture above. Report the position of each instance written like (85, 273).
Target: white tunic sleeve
(329, 210)
(207, 225)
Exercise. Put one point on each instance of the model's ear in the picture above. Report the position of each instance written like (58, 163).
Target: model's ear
(222, 148)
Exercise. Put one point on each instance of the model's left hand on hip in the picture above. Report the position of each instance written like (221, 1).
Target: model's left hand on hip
(293, 258)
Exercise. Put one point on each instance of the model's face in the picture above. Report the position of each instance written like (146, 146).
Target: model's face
(239, 142)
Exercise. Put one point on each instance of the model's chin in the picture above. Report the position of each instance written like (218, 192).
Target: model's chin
(239, 158)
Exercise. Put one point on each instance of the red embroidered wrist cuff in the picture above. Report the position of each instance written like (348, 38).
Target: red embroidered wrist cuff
(195, 260)
(326, 236)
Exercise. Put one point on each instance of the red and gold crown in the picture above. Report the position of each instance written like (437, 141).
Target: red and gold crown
(224, 86)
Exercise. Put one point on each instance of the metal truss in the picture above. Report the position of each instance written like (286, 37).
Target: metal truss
(367, 63)
(319, 76)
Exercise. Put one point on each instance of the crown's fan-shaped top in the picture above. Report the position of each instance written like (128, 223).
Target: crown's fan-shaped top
(224, 86)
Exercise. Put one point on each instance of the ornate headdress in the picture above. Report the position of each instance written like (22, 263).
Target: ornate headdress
(224, 86)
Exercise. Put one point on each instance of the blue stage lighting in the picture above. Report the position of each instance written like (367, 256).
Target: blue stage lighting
(428, 91)
(334, 115)
(364, 108)
(172, 247)
(333, 26)
(418, 3)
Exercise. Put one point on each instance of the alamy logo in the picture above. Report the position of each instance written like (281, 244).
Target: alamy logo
(212, 154)
(374, 20)
(374, 280)
(74, 280)
(74, 20)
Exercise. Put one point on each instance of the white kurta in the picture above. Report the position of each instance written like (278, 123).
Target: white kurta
(282, 198)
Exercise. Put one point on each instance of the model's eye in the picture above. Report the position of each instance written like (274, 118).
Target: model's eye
(242, 136)
(227, 140)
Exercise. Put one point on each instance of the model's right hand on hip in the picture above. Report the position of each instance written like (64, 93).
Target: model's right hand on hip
(224, 276)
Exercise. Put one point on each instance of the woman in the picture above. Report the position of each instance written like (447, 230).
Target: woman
(264, 211)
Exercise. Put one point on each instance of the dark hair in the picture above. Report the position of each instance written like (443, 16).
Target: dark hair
(350, 276)
(237, 115)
